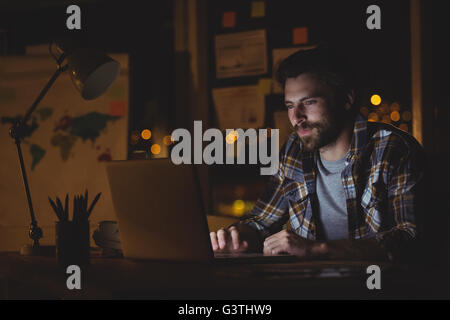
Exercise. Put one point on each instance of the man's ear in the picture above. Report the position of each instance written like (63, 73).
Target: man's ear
(350, 100)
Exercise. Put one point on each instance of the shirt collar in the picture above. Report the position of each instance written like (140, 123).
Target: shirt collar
(359, 138)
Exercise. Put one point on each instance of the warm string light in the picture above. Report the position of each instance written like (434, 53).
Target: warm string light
(146, 134)
(238, 207)
(407, 116)
(395, 116)
(381, 111)
(231, 137)
(167, 140)
(155, 149)
(375, 99)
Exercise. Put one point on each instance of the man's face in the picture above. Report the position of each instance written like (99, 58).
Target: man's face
(312, 111)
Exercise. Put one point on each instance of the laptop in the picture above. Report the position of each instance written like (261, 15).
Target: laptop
(161, 216)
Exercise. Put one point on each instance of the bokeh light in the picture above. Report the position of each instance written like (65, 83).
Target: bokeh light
(395, 106)
(238, 207)
(167, 140)
(146, 134)
(364, 111)
(395, 116)
(155, 149)
(373, 117)
(384, 108)
(386, 119)
(407, 116)
(375, 99)
(231, 137)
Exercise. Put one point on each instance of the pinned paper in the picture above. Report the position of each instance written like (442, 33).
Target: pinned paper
(258, 9)
(117, 108)
(241, 54)
(229, 19)
(239, 107)
(264, 86)
(300, 35)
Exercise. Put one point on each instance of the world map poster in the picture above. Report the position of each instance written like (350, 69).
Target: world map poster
(68, 143)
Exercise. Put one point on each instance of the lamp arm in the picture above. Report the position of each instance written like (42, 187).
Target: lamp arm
(17, 132)
(44, 91)
(35, 232)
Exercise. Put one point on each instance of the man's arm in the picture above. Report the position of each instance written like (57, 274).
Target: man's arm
(268, 215)
(398, 242)
(405, 185)
(287, 241)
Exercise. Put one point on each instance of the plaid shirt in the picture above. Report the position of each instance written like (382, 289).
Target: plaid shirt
(383, 169)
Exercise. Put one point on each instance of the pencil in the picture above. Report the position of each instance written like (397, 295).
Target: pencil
(93, 204)
(54, 208)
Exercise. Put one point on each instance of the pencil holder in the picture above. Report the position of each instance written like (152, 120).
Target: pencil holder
(72, 242)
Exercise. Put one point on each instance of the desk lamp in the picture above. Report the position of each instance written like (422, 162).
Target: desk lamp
(92, 73)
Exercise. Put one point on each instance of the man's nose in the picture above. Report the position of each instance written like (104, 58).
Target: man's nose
(299, 112)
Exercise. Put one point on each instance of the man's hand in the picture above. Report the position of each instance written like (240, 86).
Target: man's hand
(228, 241)
(289, 242)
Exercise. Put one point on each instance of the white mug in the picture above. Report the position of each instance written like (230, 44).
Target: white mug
(108, 229)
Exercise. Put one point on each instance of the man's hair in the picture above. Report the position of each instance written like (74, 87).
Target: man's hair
(327, 64)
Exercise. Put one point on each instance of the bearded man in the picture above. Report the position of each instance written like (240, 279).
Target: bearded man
(346, 188)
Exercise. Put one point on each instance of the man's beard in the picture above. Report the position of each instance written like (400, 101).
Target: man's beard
(323, 132)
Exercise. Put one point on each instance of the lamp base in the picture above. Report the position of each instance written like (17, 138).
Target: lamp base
(41, 251)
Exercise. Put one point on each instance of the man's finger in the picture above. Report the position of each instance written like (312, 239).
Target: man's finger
(234, 238)
(267, 251)
(278, 249)
(270, 241)
(222, 238)
(214, 242)
(274, 246)
(275, 236)
(266, 248)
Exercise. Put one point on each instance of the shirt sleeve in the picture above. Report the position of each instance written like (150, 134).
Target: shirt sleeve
(405, 188)
(270, 210)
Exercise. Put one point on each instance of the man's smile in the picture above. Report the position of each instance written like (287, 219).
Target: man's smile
(304, 132)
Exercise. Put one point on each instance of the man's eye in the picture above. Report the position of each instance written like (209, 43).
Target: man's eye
(289, 106)
(309, 102)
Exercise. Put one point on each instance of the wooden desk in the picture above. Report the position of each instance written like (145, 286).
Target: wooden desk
(41, 278)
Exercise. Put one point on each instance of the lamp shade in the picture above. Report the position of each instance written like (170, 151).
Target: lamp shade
(92, 72)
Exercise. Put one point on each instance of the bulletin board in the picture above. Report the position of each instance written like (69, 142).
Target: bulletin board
(71, 141)
(382, 58)
(246, 97)
(245, 52)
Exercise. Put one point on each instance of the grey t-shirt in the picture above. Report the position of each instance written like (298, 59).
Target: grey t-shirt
(332, 205)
